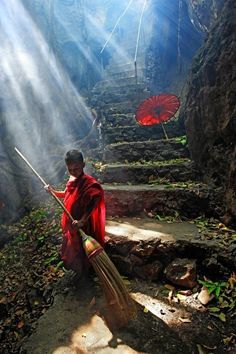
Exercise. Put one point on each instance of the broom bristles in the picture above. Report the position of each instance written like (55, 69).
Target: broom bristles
(120, 305)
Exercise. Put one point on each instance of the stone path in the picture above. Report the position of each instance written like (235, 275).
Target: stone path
(73, 326)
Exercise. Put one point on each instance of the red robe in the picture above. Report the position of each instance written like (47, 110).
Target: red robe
(83, 196)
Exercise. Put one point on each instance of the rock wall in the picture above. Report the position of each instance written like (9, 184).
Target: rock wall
(179, 28)
(203, 13)
(210, 111)
(175, 40)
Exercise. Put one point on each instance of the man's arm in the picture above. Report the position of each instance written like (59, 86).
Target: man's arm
(90, 208)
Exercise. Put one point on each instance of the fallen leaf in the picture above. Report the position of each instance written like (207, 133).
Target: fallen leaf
(92, 302)
(222, 317)
(126, 282)
(169, 287)
(214, 309)
(181, 297)
(20, 324)
(170, 295)
(20, 312)
(200, 349)
(209, 348)
(3, 300)
(228, 340)
(185, 292)
(210, 328)
(184, 320)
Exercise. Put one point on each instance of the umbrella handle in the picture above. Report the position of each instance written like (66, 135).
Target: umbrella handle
(166, 136)
(45, 184)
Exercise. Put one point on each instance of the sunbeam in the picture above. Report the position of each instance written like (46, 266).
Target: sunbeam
(40, 104)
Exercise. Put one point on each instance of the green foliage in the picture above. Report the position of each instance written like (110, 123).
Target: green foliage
(53, 259)
(59, 265)
(169, 218)
(20, 238)
(225, 293)
(40, 239)
(213, 287)
(181, 139)
(201, 221)
(39, 214)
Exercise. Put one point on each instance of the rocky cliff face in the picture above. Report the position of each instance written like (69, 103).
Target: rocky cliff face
(175, 40)
(203, 13)
(210, 111)
(179, 28)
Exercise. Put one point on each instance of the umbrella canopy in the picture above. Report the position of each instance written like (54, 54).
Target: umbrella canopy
(157, 109)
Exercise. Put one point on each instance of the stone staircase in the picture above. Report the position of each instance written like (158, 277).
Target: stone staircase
(147, 178)
(139, 168)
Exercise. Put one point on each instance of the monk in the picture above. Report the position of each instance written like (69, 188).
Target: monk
(84, 199)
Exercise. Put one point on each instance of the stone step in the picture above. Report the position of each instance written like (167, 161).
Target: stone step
(113, 98)
(112, 68)
(133, 242)
(128, 54)
(118, 82)
(119, 120)
(129, 88)
(188, 200)
(156, 150)
(173, 170)
(138, 132)
(119, 107)
(124, 74)
(151, 150)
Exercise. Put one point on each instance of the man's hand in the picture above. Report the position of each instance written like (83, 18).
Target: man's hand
(78, 223)
(48, 188)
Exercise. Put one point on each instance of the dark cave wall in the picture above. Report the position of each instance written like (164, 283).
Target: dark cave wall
(210, 111)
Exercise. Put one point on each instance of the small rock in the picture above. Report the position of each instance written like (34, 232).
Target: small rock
(149, 272)
(204, 296)
(182, 272)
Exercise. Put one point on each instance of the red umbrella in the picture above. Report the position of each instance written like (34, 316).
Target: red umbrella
(157, 109)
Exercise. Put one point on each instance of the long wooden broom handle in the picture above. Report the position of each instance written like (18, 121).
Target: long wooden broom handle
(45, 184)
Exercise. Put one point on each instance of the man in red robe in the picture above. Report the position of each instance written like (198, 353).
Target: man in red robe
(84, 199)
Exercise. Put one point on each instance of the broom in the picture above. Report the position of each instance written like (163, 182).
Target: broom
(120, 307)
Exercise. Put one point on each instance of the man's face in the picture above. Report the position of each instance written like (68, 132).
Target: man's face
(75, 169)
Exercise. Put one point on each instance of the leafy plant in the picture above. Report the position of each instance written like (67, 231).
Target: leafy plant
(20, 238)
(40, 239)
(54, 258)
(213, 287)
(181, 139)
(226, 299)
(59, 265)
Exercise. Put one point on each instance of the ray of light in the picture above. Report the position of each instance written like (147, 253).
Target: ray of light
(29, 64)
